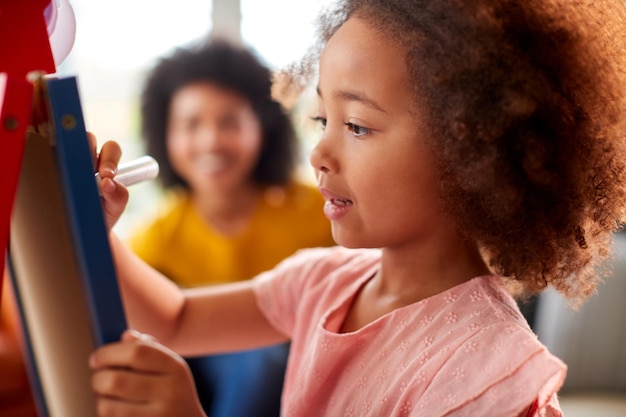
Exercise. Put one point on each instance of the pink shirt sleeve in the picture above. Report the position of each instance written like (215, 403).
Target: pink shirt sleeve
(279, 290)
(527, 373)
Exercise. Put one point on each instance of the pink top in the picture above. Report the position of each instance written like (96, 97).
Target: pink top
(464, 352)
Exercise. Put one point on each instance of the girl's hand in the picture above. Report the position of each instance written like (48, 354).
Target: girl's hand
(139, 377)
(114, 195)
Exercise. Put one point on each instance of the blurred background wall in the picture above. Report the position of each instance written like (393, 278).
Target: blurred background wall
(117, 41)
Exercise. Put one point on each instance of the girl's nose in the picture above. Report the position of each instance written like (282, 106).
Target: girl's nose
(322, 158)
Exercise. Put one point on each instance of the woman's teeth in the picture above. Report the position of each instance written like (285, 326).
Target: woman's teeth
(211, 163)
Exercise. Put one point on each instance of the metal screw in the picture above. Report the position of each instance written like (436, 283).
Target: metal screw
(68, 121)
(11, 123)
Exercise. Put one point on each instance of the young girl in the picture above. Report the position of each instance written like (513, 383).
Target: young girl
(466, 144)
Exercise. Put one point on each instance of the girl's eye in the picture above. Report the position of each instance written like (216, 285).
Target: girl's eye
(320, 120)
(357, 130)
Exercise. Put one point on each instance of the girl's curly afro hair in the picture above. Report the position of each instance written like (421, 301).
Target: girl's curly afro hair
(527, 105)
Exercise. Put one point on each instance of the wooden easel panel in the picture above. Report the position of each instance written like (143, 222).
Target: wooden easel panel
(61, 264)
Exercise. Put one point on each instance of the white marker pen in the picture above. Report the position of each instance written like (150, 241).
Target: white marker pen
(137, 170)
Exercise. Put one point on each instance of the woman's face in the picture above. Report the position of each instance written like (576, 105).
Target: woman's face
(214, 138)
(372, 163)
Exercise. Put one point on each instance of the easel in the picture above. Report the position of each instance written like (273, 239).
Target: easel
(54, 238)
(24, 48)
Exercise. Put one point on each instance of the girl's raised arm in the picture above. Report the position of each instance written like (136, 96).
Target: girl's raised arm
(199, 321)
(218, 318)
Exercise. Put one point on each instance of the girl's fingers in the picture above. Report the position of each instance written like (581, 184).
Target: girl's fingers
(132, 334)
(130, 386)
(115, 196)
(113, 407)
(139, 377)
(139, 353)
(108, 159)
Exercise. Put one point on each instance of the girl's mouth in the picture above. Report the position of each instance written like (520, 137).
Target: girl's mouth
(336, 208)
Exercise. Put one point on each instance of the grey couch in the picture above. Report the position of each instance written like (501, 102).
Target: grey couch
(592, 342)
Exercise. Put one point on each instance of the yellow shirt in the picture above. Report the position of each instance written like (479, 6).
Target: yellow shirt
(181, 245)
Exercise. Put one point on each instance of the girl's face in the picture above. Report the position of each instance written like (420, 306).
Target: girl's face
(372, 163)
(213, 138)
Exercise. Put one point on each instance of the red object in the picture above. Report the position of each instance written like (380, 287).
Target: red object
(24, 44)
(15, 110)
(24, 47)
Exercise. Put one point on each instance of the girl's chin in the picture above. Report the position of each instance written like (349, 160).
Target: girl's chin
(350, 242)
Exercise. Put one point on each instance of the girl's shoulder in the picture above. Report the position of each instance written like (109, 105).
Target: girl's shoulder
(308, 283)
(324, 260)
(316, 272)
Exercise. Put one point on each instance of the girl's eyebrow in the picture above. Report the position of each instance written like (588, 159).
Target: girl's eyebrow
(353, 95)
